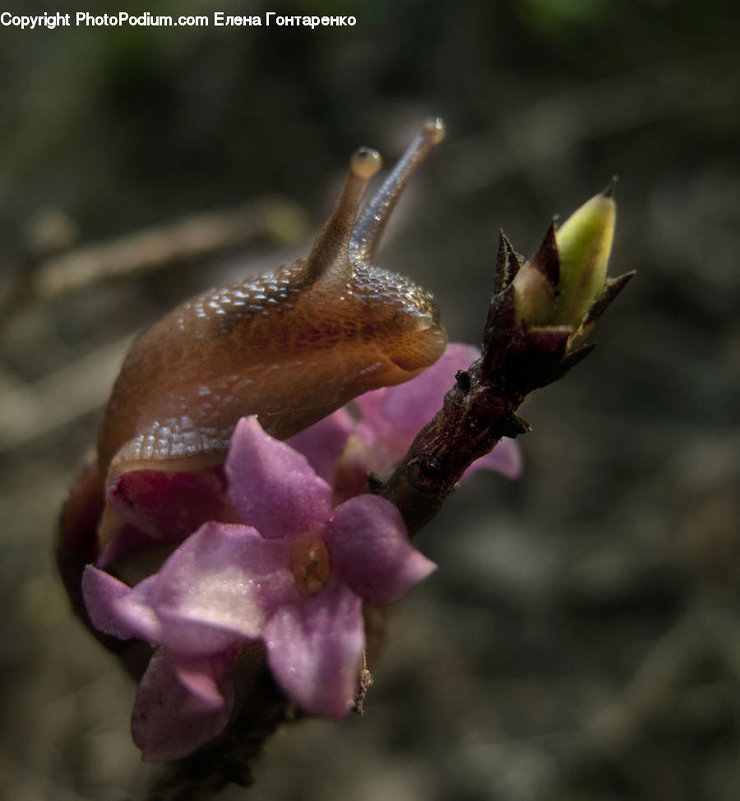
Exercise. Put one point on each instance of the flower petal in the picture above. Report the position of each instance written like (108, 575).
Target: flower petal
(402, 410)
(266, 475)
(222, 583)
(393, 416)
(314, 650)
(116, 609)
(370, 551)
(505, 458)
(323, 442)
(168, 720)
(200, 676)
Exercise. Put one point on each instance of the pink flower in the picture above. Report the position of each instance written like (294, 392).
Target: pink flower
(292, 577)
(344, 451)
(280, 570)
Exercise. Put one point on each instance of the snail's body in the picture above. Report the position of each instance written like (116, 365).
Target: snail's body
(288, 352)
(290, 346)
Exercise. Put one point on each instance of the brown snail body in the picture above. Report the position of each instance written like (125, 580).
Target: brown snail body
(290, 346)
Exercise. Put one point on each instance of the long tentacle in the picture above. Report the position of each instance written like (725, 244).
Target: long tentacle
(372, 221)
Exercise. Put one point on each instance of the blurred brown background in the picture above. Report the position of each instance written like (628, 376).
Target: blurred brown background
(581, 641)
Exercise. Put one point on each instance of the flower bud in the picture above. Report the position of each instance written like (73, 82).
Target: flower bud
(561, 281)
(536, 284)
(584, 243)
(535, 296)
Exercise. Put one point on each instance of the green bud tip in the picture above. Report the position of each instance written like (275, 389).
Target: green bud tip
(584, 243)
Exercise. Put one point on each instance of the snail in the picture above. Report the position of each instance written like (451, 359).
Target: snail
(290, 346)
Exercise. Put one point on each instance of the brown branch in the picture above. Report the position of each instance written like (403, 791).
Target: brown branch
(481, 407)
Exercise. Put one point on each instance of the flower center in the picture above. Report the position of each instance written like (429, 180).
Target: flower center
(310, 561)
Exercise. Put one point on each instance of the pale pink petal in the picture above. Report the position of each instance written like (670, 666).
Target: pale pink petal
(168, 721)
(272, 486)
(370, 550)
(116, 609)
(221, 584)
(505, 458)
(314, 650)
(323, 442)
(198, 677)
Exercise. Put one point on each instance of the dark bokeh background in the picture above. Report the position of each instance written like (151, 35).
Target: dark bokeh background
(581, 641)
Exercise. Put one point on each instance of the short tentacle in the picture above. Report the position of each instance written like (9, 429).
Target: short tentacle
(329, 257)
(371, 224)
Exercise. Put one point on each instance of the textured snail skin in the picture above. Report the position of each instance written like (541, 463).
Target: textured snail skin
(290, 346)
